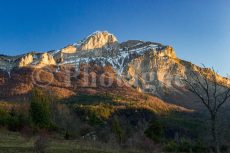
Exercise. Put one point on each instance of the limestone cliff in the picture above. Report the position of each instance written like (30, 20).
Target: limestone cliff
(148, 67)
(70, 49)
(46, 59)
(26, 60)
(98, 40)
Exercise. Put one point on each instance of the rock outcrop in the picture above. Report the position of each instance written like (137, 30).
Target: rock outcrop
(70, 49)
(26, 60)
(166, 52)
(46, 59)
(98, 40)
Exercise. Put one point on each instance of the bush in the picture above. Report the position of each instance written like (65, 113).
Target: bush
(94, 114)
(154, 131)
(170, 146)
(13, 120)
(4, 116)
(199, 147)
(184, 145)
(13, 123)
(16, 120)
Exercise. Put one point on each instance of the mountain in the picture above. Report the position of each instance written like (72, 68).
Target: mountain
(141, 66)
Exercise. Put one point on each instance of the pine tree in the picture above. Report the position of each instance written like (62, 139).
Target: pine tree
(117, 129)
(40, 109)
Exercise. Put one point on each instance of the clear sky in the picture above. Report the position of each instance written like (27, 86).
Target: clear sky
(199, 30)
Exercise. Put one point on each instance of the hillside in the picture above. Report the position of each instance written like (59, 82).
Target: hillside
(125, 94)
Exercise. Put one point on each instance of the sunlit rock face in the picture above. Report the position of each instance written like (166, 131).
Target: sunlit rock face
(26, 60)
(70, 49)
(98, 40)
(157, 73)
(34, 60)
(46, 59)
(166, 52)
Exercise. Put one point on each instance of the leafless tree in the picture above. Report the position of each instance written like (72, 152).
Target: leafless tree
(213, 92)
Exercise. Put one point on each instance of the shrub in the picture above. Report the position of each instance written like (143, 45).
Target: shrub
(170, 146)
(154, 131)
(94, 114)
(12, 119)
(13, 123)
(199, 147)
(4, 115)
(16, 120)
(184, 145)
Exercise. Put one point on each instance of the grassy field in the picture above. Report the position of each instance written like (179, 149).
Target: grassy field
(13, 142)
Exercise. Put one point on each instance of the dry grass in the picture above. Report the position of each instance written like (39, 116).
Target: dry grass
(11, 142)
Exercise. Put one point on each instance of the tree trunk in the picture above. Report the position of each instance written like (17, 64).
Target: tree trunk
(215, 134)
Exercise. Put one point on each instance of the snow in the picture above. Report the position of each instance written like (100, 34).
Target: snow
(117, 62)
(58, 69)
(35, 56)
(9, 74)
(79, 43)
(55, 52)
(118, 59)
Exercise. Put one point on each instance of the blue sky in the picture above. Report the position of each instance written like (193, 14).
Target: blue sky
(199, 30)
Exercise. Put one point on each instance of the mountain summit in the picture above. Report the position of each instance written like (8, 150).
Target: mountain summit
(98, 40)
(147, 67)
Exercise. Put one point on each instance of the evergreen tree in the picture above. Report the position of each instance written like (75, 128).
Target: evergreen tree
(40, 109)
(117, 129)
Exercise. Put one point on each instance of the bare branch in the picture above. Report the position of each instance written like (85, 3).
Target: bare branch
(199, 82)
(226, 97)
(206, 87)
(195, 91)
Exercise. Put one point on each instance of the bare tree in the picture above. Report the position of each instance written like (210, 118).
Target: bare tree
(213, 91)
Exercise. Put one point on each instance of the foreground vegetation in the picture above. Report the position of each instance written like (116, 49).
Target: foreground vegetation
(14, 142)
(98, 124)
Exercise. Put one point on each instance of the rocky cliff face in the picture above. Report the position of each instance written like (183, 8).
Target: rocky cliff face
(98, 40)
(46, 59)
(146, 66)
(26, 60)
(69, 50)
